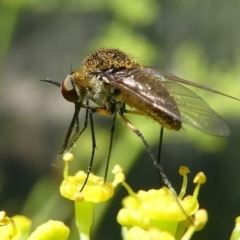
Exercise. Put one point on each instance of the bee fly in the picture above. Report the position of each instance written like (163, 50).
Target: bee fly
(112, 80)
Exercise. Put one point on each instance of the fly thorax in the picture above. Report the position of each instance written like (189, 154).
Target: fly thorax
(102, 93)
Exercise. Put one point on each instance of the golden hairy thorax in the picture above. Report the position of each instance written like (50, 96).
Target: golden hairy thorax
(106, 59)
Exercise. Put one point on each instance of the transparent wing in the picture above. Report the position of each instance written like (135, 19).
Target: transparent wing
(151, 85)
(194, 110)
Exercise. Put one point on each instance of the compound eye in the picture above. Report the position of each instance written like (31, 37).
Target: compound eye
(68, 90)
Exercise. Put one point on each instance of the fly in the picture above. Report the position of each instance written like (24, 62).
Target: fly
(112, 79)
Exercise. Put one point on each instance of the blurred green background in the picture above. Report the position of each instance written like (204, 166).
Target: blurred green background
(195, 40)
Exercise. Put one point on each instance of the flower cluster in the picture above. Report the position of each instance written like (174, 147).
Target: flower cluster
(18, 227)
(161, 213)
(154, 214)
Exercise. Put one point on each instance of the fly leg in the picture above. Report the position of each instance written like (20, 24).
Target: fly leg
(93, 149)
(148, 148)
(90, 110)
(159, 154)
(163, 176)
(70, 129)
(78, 133)
(135, 112)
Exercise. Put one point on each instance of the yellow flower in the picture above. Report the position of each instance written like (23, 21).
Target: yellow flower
(13, 228)
(161, 209)
(236, 231)
(95, 190)
(51, 230)
(8, 228)
(138, 233)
